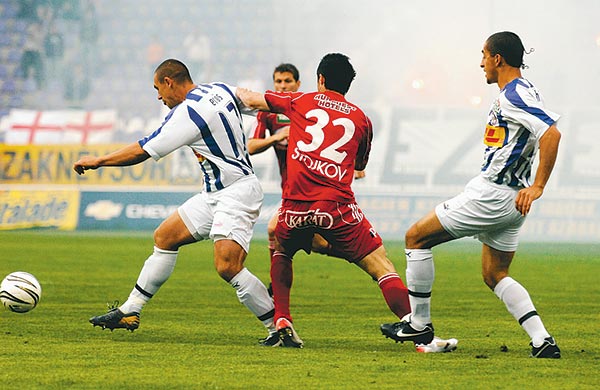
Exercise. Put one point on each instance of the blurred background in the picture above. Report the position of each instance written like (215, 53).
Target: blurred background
(418, 78)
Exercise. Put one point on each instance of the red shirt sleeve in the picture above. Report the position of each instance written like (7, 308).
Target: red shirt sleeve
(260, 131)
(281, 102)
(364, 148)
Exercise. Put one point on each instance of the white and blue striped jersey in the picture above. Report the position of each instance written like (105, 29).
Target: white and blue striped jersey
(209, 121)
(516, 122)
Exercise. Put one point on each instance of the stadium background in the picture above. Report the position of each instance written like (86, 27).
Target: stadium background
(418, 78)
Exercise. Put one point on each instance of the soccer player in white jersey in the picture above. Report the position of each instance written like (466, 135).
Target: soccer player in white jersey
(207, 119)
(494, 205)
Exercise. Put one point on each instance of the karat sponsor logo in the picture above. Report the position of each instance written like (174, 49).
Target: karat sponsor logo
(305, 219)
(105, 210)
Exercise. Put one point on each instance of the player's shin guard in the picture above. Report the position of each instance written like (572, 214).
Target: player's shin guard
(156, 270)
(282, 276)
(253, 294)
(395, 294)
(519, 304)
(420, 274)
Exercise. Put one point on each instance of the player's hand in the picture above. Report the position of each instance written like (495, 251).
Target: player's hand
(282, 134)
(85, 163)
(525, 198)
(359, 174)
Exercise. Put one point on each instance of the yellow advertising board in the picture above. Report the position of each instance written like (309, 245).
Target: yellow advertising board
(53, 164)
(30, 209)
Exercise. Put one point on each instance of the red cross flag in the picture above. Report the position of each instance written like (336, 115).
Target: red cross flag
(90, 127)
(34, 127)
(25, 127)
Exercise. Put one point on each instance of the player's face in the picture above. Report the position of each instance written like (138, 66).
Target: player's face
(165, 92)
(285, 82)
(489, 64)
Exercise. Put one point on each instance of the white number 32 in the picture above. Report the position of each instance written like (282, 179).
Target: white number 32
(316, 131)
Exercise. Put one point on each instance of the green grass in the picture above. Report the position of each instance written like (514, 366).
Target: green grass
(196, 335)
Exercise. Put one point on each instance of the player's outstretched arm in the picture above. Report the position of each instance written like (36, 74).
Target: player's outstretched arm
(548, 152)
(252, 99)
(129, 155)
(259, 145)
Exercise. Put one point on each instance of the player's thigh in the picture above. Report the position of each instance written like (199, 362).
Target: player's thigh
(197, 215)
(426, 233)
(172, 233)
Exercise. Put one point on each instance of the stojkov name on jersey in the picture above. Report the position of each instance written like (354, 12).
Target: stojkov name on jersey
(328, 169)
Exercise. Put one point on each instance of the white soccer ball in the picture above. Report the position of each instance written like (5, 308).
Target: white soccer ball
(20, 292)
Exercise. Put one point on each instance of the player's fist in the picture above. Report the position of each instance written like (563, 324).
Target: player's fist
(85, 163)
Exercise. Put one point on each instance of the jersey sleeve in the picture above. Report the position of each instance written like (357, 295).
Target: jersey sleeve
(176, 131)
(260, 128)
(526, 108)
(281, 102)
(364, 148)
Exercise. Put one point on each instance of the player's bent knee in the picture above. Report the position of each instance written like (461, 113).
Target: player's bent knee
(412, 237)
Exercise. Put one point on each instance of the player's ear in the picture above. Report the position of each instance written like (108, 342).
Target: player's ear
(498, 59)
(321, 81)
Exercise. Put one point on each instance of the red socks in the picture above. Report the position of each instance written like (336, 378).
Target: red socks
(395, 294)
(282, 276)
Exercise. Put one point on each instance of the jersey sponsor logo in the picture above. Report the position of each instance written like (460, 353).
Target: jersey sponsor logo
(327, 169)
(325, 102)
(309, 218)
(494, 136)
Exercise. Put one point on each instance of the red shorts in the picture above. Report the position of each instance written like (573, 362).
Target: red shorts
(343, 225)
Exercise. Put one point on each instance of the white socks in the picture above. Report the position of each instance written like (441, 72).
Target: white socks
(156, 270)
(254, 295)
(519, 304)
(159, 266)
(420, 274)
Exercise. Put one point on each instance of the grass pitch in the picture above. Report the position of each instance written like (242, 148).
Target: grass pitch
(196, 335)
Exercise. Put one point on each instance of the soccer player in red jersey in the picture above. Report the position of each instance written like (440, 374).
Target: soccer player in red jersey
(329, 138)
(271, 131)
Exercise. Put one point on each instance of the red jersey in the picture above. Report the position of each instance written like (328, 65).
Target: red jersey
(273, 123)
(329, 138)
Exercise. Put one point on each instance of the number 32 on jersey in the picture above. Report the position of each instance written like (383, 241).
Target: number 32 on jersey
(331, 152)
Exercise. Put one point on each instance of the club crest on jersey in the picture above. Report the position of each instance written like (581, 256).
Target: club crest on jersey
(495, 136)
(282, 119)
(200, 157)
(310, 218)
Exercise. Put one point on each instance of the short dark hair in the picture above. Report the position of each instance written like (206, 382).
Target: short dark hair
(337, 71)
(174, 69)
(285, 67)
(509, 46)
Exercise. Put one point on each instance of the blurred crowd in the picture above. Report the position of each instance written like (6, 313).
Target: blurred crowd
(60, 46)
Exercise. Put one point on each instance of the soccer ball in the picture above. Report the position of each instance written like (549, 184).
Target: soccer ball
(20, 292)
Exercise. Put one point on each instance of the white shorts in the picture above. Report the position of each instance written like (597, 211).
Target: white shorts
(229, 213)
(486, 211)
